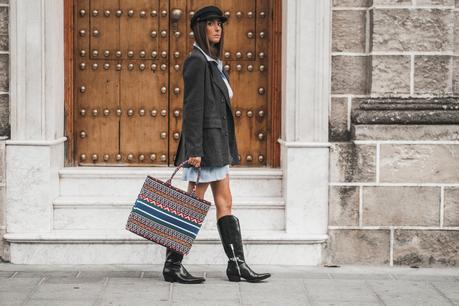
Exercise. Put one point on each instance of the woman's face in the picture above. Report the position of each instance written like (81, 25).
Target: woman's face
(214, 31)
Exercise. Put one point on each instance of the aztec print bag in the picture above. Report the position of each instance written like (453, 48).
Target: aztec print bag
(168, 215)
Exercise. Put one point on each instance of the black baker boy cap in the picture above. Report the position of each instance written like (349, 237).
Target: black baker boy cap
(206, 13)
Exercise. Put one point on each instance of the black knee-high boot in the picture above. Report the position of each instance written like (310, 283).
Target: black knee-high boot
(174, 271)
(230, 235)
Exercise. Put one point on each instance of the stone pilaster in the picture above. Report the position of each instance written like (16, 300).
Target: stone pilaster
(3, 245)
(35, 151)
(4, 118)
(306, 94)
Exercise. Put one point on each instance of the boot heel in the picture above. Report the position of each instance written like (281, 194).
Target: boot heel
(169, 278)
(234, 278)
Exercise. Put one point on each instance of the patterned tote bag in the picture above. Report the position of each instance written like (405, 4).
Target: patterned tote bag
(168, 215)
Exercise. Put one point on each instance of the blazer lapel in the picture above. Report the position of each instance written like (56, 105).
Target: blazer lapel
(217, 79)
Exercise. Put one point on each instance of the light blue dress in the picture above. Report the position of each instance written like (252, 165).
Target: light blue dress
(209, 174)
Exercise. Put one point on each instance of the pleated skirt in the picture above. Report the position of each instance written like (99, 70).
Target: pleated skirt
(208, 174)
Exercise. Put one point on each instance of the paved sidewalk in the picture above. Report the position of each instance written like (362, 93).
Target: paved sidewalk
(289, 285)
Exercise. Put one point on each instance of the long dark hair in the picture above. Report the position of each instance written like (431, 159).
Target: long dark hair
(214, 51)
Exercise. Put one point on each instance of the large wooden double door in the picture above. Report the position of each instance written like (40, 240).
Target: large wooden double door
(127, 78)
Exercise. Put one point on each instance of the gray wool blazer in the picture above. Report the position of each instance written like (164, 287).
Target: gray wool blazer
(208, 122)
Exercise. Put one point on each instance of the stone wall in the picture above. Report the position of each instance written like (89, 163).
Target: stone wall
(4, 113)
(394, 129)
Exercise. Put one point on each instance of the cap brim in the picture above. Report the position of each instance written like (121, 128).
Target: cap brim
(221, 18)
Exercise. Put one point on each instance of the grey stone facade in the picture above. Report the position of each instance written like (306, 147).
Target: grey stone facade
(394, 129)
(394, 132)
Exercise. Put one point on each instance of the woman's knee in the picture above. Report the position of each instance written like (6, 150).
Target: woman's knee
(222, 195)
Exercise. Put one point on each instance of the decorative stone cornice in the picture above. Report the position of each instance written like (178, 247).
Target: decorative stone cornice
(406, 111)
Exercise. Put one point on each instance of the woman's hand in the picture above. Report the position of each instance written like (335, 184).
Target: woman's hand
(195, 161)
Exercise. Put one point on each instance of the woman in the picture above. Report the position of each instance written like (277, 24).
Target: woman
(208, 141)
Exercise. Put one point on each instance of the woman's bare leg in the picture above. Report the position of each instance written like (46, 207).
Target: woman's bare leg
(200, 189)
(222, 196)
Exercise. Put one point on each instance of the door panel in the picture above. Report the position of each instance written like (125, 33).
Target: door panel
(97, 124)
(239, 30)
(139, 32)
(143, 126)
(128, 82)
(105, 29)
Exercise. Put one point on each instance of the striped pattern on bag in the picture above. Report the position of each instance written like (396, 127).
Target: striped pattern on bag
(167, 215)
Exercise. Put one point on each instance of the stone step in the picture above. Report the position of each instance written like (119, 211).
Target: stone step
(99, 213)
(123, 247)
(118, 181)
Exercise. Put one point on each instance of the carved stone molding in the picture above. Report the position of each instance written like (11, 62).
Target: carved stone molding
(406, 111)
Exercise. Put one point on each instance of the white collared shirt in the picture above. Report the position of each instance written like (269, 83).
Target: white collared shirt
(220, 67)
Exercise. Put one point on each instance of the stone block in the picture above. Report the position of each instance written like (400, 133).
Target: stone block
(435, 2)
(455, 68)
(419, 163)
(338, 130)
(405, 132)
(2, 163)
(348, 31)
(456, 29)
(432, 75)
(358, 246)
(4, 43)
(65, 291)
(4, 72)
(4, 20)
(353, 3)
(412, 30)
(15, 291)
(153, 292)
(408, 292)
(451, 213)
(391, 75)
(272, 293)
(343, 209)
(413, 206)
(351, 74)
(426, 247)
(4, 115)
(352, 163)
(391, 2)
(339, 292)
(448, 288)
(2, 212)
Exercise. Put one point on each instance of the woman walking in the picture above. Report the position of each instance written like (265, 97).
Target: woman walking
(208, 141)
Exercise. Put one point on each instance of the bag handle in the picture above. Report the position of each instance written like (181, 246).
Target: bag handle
(169, 181)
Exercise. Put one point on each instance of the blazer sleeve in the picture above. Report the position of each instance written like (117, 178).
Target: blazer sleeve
(194, 70)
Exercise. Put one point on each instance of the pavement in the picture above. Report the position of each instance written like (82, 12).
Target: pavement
(289, 285)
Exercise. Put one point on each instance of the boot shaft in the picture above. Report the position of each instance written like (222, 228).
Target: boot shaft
(230, 235)
(173, 257)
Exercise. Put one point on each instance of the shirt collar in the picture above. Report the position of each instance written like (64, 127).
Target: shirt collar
(208, 58)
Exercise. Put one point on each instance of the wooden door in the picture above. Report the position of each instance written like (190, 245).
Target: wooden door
(128, 87)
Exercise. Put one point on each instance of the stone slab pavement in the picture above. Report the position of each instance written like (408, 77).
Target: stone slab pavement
(290, 285)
